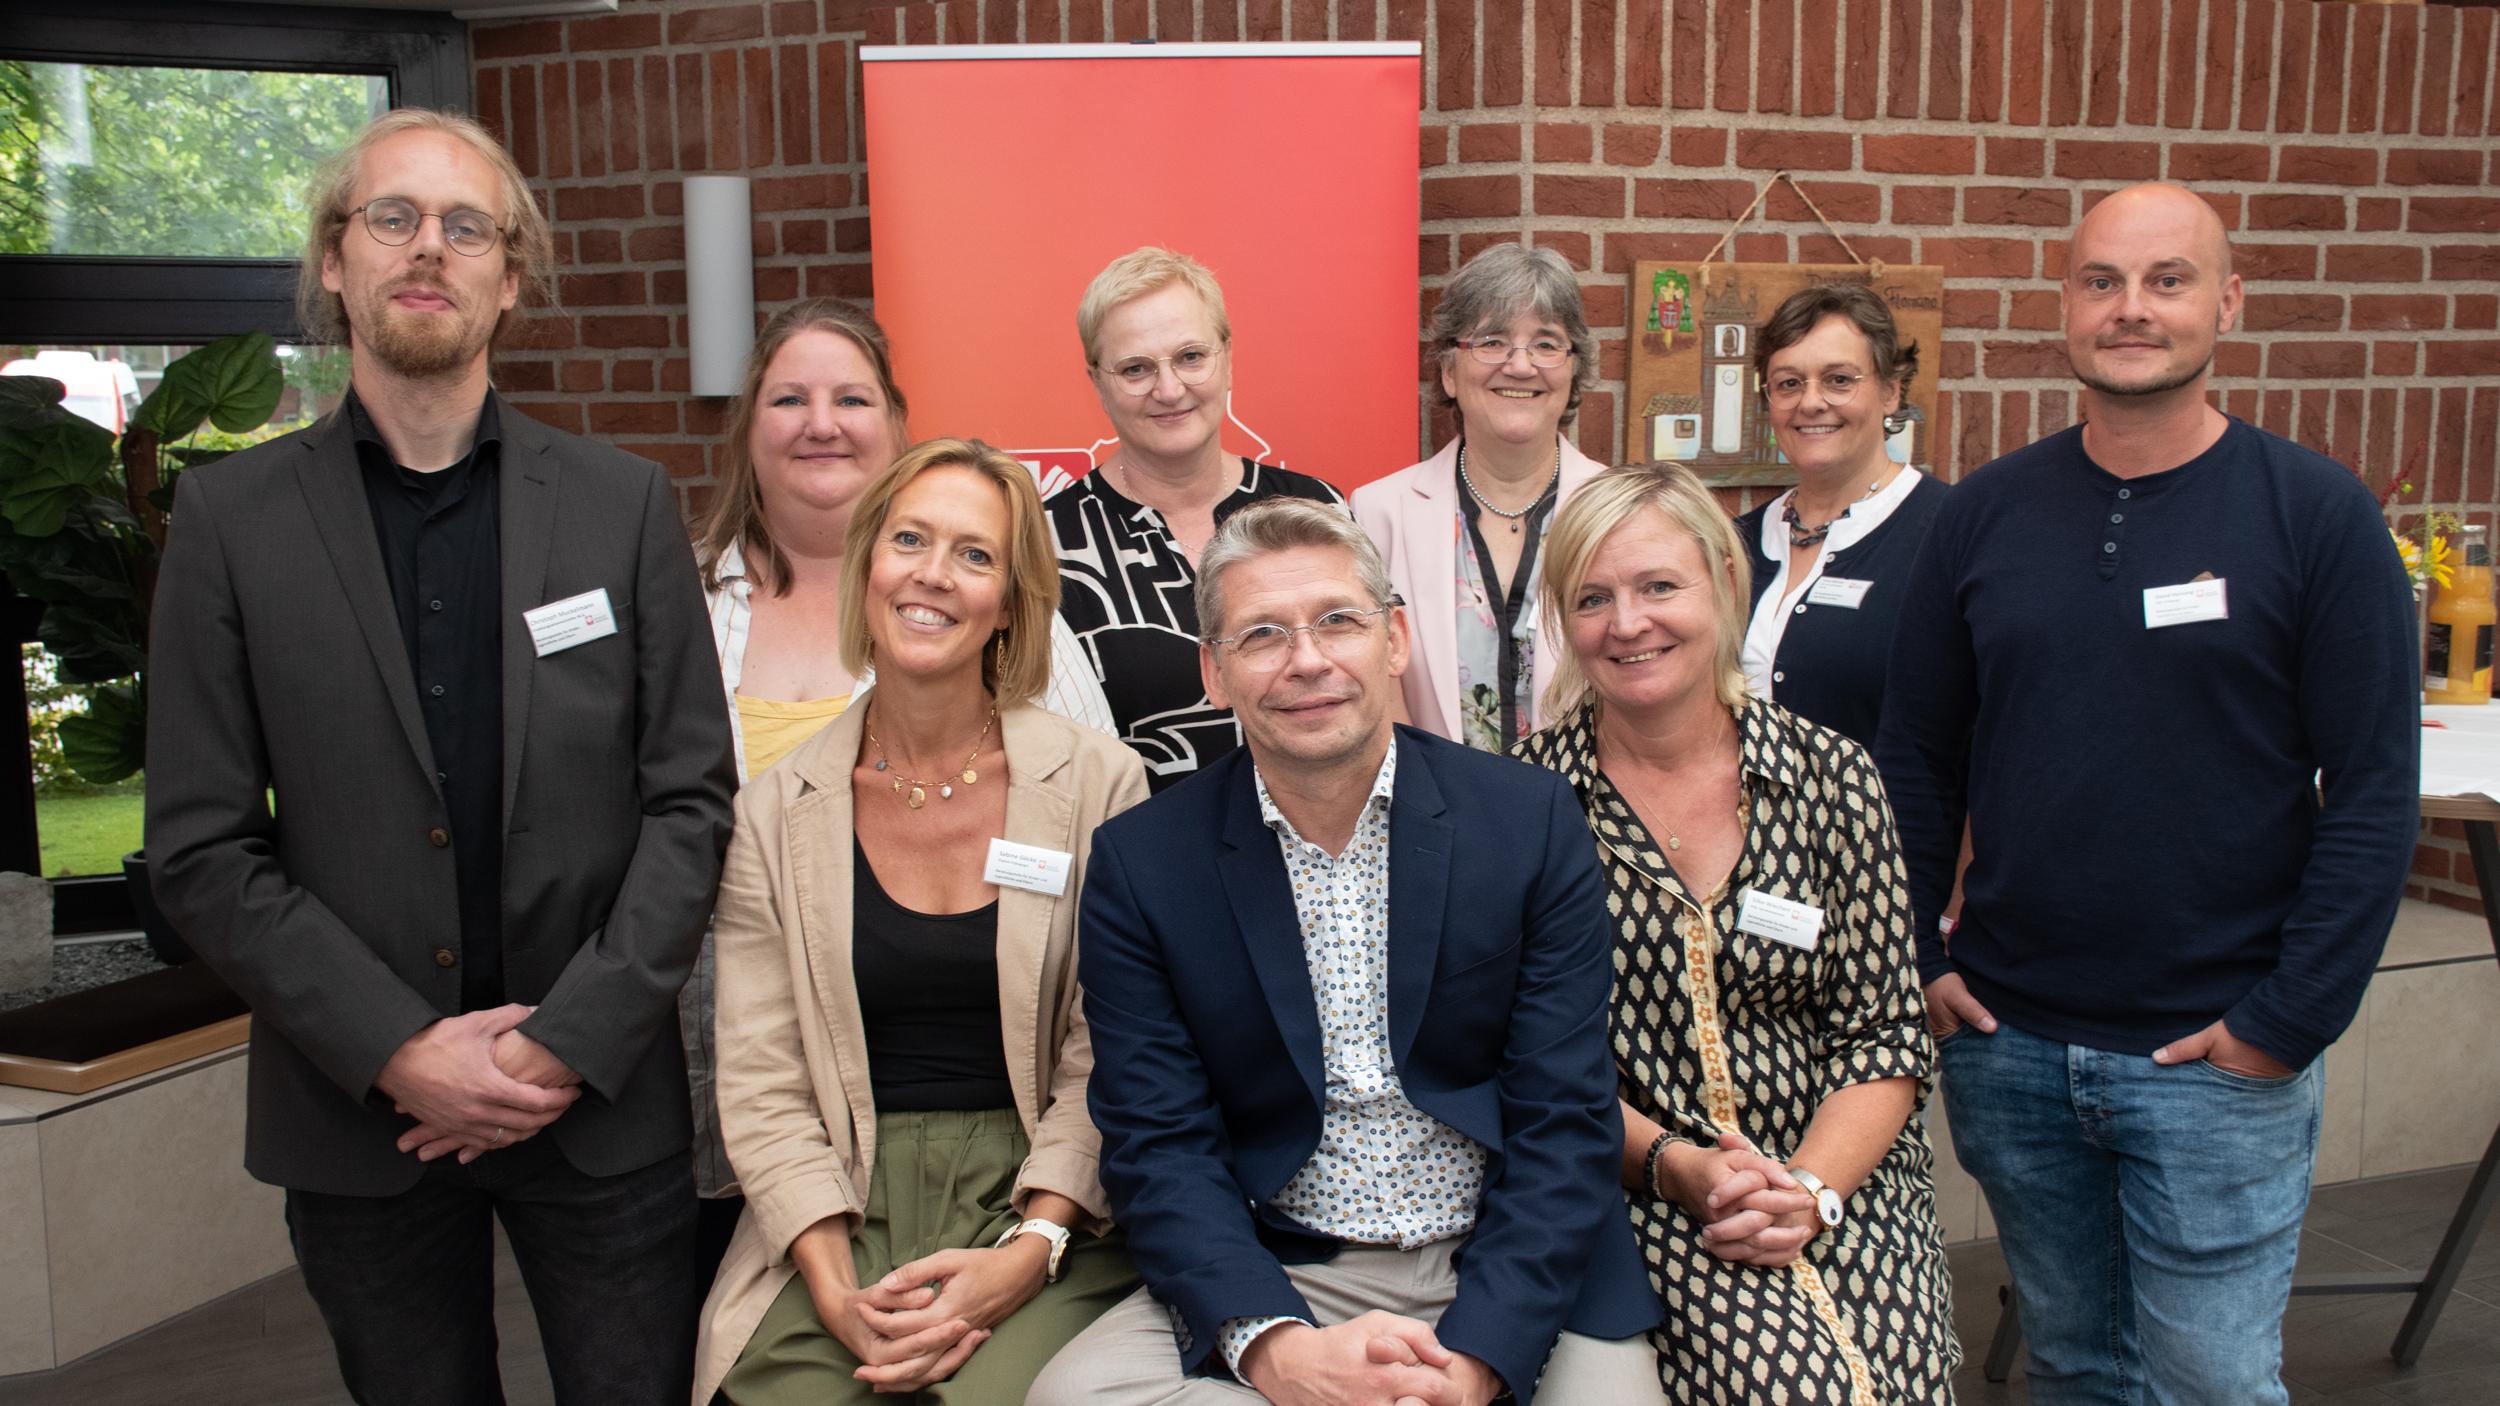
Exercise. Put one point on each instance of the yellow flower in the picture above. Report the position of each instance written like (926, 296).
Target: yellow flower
(2440, 561)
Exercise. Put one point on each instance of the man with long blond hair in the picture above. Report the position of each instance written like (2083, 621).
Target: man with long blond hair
(468, 657)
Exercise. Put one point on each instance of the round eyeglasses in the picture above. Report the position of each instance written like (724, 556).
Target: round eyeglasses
(1838, 386)
(1544, 353)
(1191, 366)
(1339, 632)
(394, 222)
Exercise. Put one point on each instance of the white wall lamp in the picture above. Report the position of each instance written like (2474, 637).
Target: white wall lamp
(720, 281)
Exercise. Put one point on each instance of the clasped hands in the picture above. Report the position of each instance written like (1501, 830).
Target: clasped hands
(1752, 1211)
(918, 1325)
(474, 1084)
(1377, 1359)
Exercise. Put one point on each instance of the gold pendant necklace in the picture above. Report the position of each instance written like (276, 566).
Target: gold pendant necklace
(917, 794)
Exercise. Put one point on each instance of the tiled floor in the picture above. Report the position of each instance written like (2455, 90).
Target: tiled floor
(265, 1346)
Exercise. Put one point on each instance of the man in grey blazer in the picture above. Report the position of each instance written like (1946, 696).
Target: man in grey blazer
(468, 657)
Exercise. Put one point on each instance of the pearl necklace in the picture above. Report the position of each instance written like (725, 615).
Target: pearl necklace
(1514, 518)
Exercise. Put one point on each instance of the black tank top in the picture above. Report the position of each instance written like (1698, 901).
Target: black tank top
(928, 994)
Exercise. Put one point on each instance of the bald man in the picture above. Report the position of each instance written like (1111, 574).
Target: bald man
(2163, 664)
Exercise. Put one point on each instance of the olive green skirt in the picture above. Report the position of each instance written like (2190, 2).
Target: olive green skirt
(942, 1182)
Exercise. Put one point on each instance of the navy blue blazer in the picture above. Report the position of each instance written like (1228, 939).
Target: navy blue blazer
(1207, 1054)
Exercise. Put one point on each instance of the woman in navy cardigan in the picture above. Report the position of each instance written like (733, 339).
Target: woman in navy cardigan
(1830, 555)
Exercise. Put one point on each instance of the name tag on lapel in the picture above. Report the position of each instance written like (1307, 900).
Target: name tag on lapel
(1028, 867)
(1779, 919)
(1840, 591)
(2185, 603)
(562, 624)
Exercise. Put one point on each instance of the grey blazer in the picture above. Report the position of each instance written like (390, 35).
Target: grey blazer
(277, 663)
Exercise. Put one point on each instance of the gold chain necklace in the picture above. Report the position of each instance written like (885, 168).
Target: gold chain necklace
(918, 794)
(1743, 810)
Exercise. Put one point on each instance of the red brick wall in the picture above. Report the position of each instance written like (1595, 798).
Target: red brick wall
(2350, 149)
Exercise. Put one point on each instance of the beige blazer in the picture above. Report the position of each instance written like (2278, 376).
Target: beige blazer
(794, 1099)
(1411, 516)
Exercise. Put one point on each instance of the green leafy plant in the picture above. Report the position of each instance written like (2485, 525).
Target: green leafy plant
(82, 524)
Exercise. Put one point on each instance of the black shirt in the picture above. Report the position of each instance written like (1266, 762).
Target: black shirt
(1132, 600)
(441, 546)
(928, 1001)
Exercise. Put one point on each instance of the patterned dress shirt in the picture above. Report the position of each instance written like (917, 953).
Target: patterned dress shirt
(1384, 1172)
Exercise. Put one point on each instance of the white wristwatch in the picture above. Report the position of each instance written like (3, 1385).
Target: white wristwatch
(1051, 1231)
(1827, 1202)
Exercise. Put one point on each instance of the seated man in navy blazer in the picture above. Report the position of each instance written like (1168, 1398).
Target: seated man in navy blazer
(1348, 994)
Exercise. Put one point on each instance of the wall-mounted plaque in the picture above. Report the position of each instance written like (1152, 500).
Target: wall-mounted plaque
(1689, 392)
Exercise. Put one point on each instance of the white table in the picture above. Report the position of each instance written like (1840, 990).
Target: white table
(2461, 782)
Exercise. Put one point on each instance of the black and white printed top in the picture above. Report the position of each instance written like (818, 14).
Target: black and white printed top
(1131, 598)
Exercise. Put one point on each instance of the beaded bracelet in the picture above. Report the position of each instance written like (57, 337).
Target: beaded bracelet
(1657, 1148)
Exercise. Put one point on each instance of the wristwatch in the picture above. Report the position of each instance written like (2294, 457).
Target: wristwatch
(1051, 1231)
(1827, 1202)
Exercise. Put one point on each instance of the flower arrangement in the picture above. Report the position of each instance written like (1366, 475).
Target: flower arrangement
(2423, 546)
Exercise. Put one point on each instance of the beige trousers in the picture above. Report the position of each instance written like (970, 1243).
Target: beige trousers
(1129, 1357)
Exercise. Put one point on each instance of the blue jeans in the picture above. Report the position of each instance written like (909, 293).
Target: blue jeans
(2149, 1214)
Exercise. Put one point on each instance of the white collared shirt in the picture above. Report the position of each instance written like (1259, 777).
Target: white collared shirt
(1771, 616)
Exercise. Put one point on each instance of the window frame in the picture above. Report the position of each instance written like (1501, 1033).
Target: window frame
(71, 299)
(77, 298)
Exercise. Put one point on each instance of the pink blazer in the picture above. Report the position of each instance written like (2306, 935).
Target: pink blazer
(1409, 515)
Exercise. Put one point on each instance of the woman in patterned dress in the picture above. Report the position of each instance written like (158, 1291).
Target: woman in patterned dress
(1766, 1021)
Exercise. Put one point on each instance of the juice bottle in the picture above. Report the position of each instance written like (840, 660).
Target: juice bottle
(2459, 667)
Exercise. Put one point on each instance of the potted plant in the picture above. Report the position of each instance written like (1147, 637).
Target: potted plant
(82, 524)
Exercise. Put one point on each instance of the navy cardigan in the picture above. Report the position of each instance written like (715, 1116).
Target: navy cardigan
(1831, 660)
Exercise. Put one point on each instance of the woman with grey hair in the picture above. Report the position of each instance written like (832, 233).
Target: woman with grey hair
(1461, 529)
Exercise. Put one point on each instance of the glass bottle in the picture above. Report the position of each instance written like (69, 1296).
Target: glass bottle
(2458, 669)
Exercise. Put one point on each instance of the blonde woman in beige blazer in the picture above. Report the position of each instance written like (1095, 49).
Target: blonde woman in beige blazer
(940, 1250)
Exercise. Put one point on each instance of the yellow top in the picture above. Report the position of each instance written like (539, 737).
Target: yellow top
(771, 729)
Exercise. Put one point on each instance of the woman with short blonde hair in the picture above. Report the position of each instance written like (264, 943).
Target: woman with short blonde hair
(1769, 1035)
(1159, 352)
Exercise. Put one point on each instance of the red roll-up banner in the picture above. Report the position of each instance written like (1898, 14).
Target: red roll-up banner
(1004, 177)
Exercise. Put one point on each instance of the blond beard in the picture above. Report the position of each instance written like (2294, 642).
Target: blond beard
(419, 346)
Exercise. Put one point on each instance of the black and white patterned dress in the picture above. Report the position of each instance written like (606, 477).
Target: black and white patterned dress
(1131, 597)
(1716, 1029)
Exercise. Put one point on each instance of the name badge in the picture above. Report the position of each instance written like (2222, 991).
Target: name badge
(1839, 591)
(562, 624)
(2185, 603)
(1028, 867)
(1779, 919)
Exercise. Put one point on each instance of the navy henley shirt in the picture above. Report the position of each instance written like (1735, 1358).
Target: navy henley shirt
(2150, 847)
